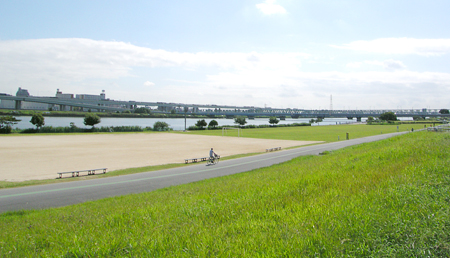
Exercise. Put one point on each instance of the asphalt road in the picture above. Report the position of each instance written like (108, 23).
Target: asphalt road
(67, 193)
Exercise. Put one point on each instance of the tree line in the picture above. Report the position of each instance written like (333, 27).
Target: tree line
(90, 119)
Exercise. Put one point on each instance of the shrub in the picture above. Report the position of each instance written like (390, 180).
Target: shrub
(212, 124)
(91, 119)
(240, 120)
(29, 130)
(388, 116)
(37, 120)
(201, 123)
(6, 123)
(273, 120)
(161, 126)
(5, 130)
(141, 110)
(126, 129)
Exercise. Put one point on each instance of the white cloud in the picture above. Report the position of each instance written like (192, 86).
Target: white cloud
(389, 65)
(405, 46)
(271, 7)
(275, 79)
(392, 65)
(89, 66)
(354, 65)
(361, 89)
(149, 84)
(78, 59)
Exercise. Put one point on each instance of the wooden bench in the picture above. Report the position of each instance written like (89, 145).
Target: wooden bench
(273, 149)
(77, 173)
(196, 160)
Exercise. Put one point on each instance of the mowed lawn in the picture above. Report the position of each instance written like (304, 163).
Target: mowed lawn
(381, 199)
(328, 133)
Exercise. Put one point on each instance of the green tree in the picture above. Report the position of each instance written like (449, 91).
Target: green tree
(388, 116)
(142, 110)
(6, 123)
(201, 123)
(273, 120)
(37, 120)
(73, 127)
(240, 120)
(444, 111)
(213, 123)
(91, 119)
(160, 126)
(370, 119)
(312, 121)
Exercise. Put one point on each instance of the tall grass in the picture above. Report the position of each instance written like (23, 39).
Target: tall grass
(381, 199)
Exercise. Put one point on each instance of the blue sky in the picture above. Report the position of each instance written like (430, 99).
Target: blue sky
(278, 53)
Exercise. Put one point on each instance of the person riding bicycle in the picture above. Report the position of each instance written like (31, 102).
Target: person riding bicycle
(212, 154)
(213, 157)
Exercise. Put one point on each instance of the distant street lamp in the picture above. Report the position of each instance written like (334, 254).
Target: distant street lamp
(185, 111)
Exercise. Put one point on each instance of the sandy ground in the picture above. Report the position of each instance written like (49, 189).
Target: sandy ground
(42, 156)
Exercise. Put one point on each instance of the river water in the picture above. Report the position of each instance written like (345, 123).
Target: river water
(174, 123)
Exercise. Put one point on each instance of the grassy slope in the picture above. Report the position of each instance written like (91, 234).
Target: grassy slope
(387, 198)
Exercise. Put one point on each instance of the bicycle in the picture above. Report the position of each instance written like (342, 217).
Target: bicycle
(213, 160)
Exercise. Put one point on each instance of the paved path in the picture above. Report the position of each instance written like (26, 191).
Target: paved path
(67, 193)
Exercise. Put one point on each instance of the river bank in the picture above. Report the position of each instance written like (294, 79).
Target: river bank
(177, 124)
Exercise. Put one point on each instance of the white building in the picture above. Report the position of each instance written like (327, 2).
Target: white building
(11, 104)
(30, 105)
(92, 97)
(60, 95)
(8, 104)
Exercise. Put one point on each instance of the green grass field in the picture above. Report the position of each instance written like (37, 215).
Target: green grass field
(329, 133)
(382, 199)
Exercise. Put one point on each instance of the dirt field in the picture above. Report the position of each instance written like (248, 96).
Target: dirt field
(42, 156)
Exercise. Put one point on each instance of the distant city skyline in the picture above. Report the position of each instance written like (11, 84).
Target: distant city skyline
(277, 53)
(53, 102)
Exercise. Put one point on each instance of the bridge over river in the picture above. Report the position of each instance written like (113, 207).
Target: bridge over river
(212, 110)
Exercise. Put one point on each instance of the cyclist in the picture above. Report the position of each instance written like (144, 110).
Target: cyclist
(213, 157)
(212, 154)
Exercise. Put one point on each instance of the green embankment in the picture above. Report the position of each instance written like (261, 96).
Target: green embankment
(381, 199)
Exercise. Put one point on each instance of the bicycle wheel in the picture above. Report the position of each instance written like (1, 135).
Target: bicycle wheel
(216, 160)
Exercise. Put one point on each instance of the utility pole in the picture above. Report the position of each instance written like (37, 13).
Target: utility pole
(331, 104)
(185, 111)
